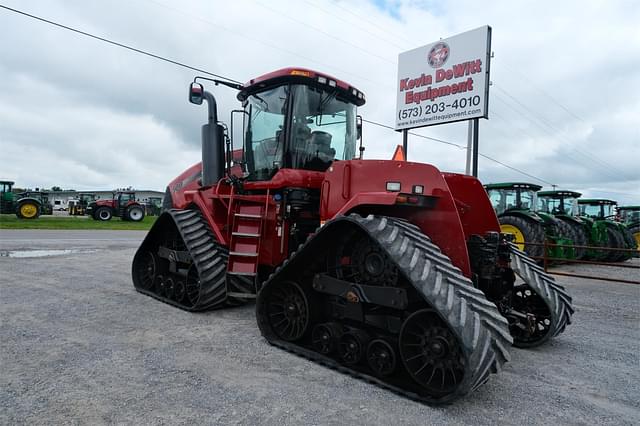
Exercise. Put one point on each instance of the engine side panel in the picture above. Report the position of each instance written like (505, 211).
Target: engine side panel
(475, 210)
(360, 186)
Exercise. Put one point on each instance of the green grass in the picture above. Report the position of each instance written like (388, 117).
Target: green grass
(10, 221)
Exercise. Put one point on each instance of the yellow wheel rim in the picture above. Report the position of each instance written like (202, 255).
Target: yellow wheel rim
(636, 236)
(518, 235)
(28, 210)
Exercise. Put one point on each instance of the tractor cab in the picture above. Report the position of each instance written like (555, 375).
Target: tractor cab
(297, 119)
(6, 197)
(558, 202)
(122, 200)
(629, 215)
(512, 196)
(292, 118)
(597, 208)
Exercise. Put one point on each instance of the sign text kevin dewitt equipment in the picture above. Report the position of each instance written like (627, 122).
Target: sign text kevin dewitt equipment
(444, 81)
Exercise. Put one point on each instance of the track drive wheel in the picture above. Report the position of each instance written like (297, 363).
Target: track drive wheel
(524, 231)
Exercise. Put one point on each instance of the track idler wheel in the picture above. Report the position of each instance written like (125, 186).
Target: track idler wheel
(326, 337)
(146, 270)
(530, 330)
(288, 311)
(381, 357)
(353, 346)
(431, 353)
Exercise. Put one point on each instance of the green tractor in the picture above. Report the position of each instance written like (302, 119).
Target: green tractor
(604, 230)
(630, 217)
(32, 204)
(563, 205)
(515, 204)
(78, 206)
(7, 199)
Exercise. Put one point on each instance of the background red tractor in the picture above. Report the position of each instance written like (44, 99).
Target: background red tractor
(123, 204)
(390, 271)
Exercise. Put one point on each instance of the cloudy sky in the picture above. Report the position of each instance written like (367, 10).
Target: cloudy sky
(78, 113)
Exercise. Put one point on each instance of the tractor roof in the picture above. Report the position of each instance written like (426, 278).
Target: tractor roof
(559, 193)
(10, 182)
(513, 185)
(301, 76)
(628, 207)
(598, 201)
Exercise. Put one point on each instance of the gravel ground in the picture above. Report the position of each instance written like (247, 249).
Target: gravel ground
(79, 345)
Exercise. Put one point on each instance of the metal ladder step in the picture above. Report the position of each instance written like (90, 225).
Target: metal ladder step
(243, 274)
(244, 254)
(241, 295)
(245, 234)
(248, 216)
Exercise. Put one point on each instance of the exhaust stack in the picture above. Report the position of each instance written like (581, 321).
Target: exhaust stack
(212, 137)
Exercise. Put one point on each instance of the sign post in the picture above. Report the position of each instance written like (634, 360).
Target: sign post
(444, 82)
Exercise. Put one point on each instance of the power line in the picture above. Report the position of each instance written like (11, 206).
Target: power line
(115, 43)
(307, 25)
(463, 147)
(261, 41)
(162, 58)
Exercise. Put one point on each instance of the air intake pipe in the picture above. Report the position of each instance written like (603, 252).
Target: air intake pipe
(212, 137)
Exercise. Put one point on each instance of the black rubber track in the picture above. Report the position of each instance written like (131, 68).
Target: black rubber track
(482, 333)
(555, 296)
(577, 234)
(532, 231)
(209, 258)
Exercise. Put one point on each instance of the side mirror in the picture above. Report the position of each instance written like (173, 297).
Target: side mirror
(359, 126)
(196, 91)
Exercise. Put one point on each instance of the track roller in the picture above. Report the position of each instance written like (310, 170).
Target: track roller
(381, 357)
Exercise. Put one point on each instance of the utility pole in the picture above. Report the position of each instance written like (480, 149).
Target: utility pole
(472, 148)
(405, 140)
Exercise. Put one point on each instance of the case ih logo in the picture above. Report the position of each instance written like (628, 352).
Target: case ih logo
(438, 55)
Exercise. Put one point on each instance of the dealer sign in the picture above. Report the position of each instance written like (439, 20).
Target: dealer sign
(444, 81)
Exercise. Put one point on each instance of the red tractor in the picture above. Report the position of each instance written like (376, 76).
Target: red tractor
(390, 271)
(123, 204)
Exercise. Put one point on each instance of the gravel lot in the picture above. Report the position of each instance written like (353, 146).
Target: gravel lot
(79, 345)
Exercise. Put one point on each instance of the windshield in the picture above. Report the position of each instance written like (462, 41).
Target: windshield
(507, 199)
(628, 215)
(596, 210)
(323, 129)
(564, 205)
(264, 134)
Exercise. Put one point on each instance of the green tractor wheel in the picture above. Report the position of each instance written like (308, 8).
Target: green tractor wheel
(630, 241)
(635, 234)
(28, 210)
(576, 233)
(616, 240)
(524, 231)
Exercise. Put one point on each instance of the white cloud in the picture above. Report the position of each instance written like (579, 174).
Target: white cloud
(72, 106)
